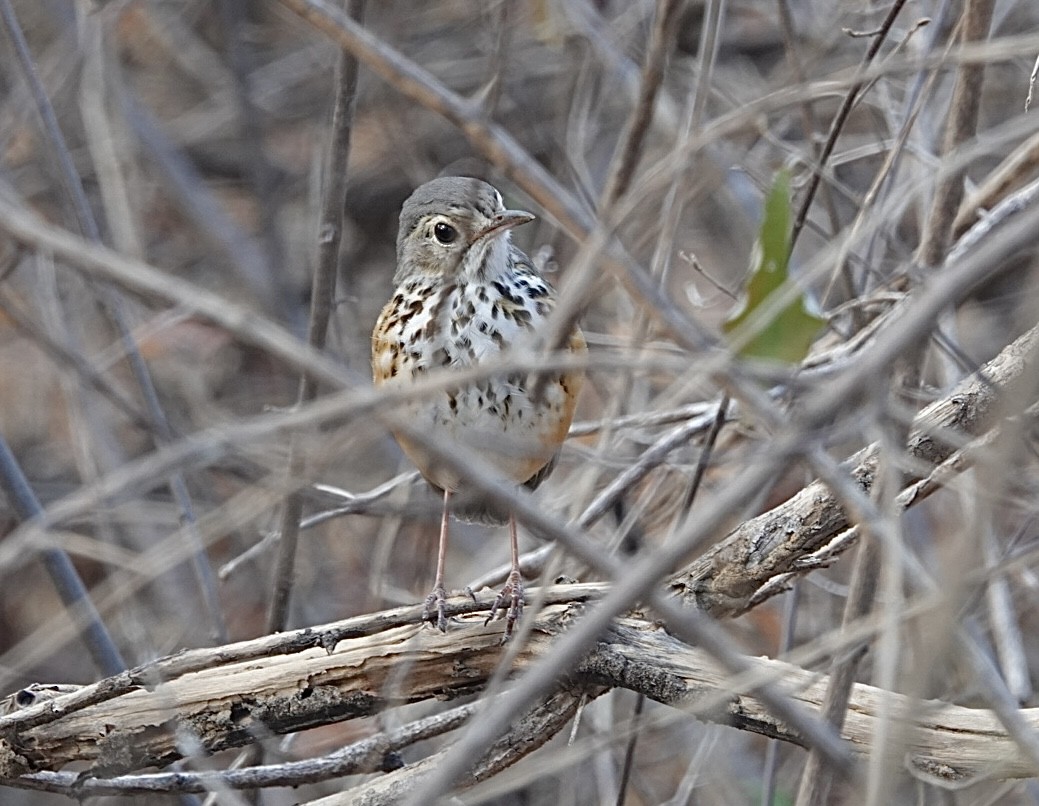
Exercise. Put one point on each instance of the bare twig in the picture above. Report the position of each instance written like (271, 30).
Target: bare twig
(70, 586)
(840, 118)
(1017, 167)
(115, 195)
(961, 126)
(321, 296)
(629, 149)
(370, 755)
(734, 588)
(140, 278)
(1031, 83)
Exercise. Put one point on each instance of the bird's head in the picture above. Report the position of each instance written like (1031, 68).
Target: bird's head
(455, 226)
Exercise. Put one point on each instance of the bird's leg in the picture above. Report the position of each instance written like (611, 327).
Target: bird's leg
(510, 601)
(437, 599)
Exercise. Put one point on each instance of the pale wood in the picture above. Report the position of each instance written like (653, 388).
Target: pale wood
(726, 579)
(228, 703)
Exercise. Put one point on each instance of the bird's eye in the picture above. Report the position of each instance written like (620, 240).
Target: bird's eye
(444, 233)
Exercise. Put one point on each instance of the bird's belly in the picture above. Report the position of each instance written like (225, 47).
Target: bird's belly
(500, 423)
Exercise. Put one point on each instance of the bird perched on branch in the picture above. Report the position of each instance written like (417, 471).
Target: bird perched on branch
(464, 296)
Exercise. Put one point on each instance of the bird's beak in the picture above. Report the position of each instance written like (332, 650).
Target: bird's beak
(507, 219)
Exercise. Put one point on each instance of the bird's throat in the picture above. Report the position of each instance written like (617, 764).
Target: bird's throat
(487, 259)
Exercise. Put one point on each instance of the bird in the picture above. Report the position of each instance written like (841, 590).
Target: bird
(464, 295)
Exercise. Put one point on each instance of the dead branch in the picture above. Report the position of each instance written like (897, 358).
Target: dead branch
(724, 581)
(227, 703)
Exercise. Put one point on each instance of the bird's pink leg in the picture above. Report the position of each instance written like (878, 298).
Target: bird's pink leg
(510, 601)
(437, 599)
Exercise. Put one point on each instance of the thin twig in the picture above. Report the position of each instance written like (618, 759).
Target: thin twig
(373, 754)
(73, 592)
(322, 294)
(140, 278)
(960, 127)
(259, 172)
(839, 120)
(115, 197)
(186, 186)
(64, 357)
(64, 575)
(632, 140)
(1020, 164)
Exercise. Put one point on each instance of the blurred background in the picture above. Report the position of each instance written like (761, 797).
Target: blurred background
(200, 129)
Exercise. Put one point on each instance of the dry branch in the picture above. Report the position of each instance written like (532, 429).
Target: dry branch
(1017, 168)
(227, 703)
(724, 581)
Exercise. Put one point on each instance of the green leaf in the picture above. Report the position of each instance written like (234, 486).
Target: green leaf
(773, 321)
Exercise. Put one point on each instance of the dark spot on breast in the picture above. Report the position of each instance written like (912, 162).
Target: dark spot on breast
(522, 316)
(498, 339)
(506, 293)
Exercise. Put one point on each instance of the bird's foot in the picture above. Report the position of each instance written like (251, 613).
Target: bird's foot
(434, 613)
(509, 603)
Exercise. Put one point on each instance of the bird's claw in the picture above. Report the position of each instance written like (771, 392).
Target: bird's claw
(434, 611)
(509, 603)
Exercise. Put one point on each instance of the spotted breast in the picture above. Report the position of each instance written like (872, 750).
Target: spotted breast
(446, 322)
